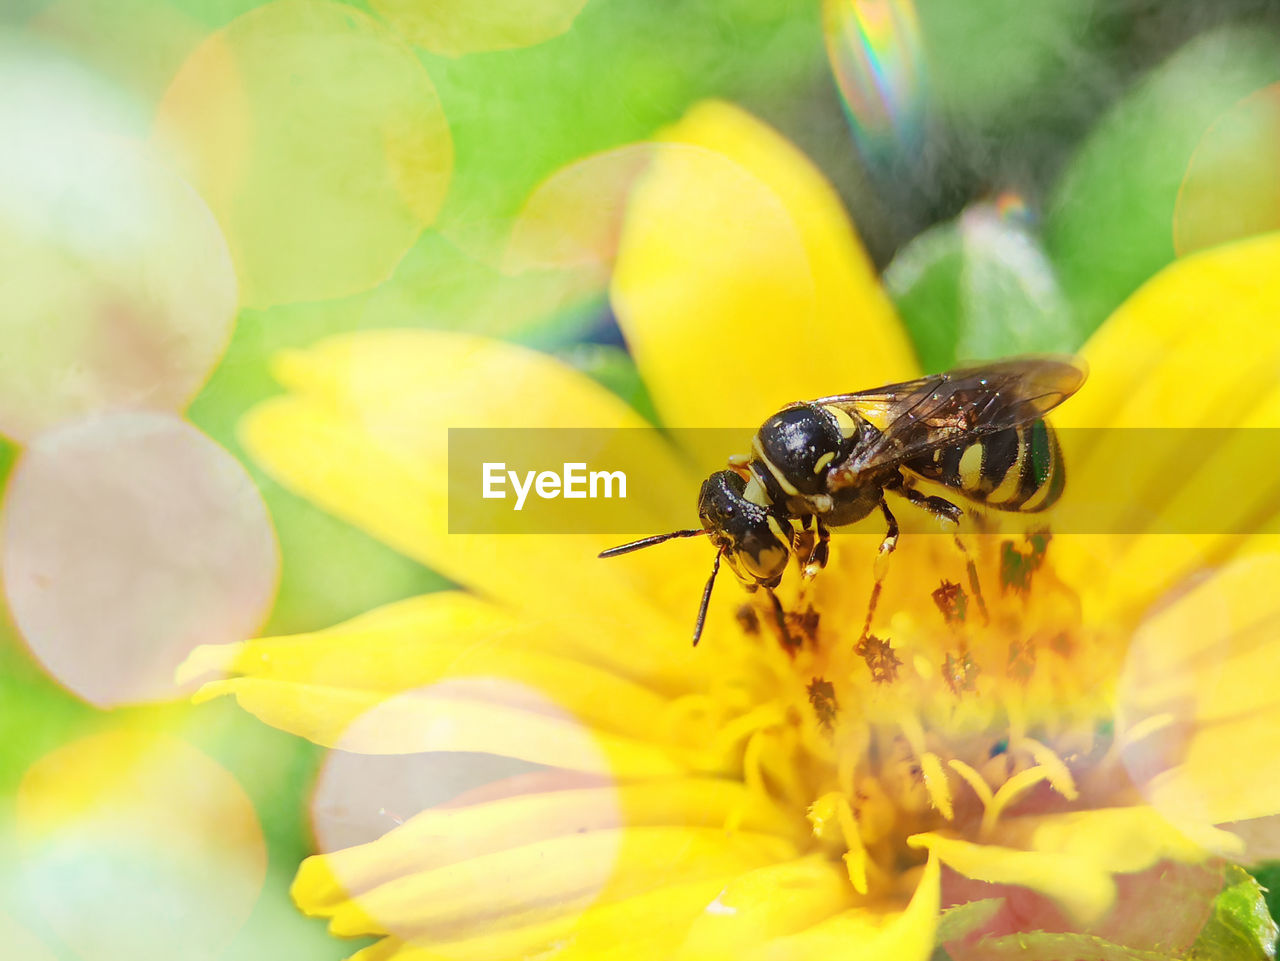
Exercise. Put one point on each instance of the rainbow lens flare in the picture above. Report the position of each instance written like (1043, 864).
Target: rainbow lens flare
(877, 60)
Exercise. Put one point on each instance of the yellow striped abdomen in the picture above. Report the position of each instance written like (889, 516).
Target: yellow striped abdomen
(1016, 469)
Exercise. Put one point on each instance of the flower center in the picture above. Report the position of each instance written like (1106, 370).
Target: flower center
(975, 692)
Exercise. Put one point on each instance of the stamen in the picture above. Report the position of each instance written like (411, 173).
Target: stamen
(880, 657)
(877, 748)
(752, 777)
(822, 815)
(952, 601)
(679, 713)
(1010, 791)
(822, 696)
(935, 781)
(1147, 727)
(834, 807)
(779, 763)
(769, 714)
(855, 859)
(1143, 729)
(960, 672)
(913, 731)
(1015, 709)
(974, 779)
(1055, 768)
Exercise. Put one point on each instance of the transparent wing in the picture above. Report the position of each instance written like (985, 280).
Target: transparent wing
(919, 416)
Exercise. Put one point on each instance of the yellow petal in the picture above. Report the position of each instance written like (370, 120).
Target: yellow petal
(551, 878)
(439, 837)
(1205, 661)
(643, 927)
(1158, 363)
(365, 436)
(740, 285)
(1121, 840)
(1070, 857)
(870, 933)
(488, 716)
(1082, 888)
(392, 949)
(767, 903)
(357, 665)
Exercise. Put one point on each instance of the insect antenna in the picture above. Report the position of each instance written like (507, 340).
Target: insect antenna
(706, 599)
(649, 541)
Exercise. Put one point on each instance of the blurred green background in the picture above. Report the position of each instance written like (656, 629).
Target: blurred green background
(1034, 187)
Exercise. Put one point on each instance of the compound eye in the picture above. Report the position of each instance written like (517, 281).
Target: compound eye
(798, 445)
(720, 499)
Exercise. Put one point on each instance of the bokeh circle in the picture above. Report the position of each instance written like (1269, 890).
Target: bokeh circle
(117, 284)
(316, 136)
(129, 540)
(137, 847)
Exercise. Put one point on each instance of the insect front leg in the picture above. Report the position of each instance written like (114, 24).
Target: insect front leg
(811, 547)
(780, 617)
(882, 562)
(821, 550)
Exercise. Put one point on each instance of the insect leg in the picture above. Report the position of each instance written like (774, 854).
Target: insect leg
(740, 464)
(809, 548)
(943, 508)
(939, 507)
(882, 562)
(802, 542)
(821, 552)
(781, 617)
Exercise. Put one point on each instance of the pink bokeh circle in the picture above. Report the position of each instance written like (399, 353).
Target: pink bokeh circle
(129, 539)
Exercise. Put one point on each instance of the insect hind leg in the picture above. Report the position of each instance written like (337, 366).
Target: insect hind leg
(943, 509)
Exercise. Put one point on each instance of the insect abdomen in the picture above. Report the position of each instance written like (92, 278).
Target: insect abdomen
(1016, 469)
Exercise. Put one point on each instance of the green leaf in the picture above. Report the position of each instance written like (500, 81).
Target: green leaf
(994, 61)
(962, 919)
(924, 282)
(1011, 298)
(1061, 946)
(980, 287)
(441, 286)
(621, 72)
(1109, 225)
(1241, 927)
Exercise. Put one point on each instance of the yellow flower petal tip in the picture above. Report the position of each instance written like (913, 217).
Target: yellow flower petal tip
(207, 692)
(316, 889)
(1085, 891)
(207, 659)
(693, 246)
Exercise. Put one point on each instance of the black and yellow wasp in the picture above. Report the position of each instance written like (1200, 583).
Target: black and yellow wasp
(979, 431)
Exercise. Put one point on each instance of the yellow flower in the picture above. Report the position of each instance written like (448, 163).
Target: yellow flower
(1064, 763)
